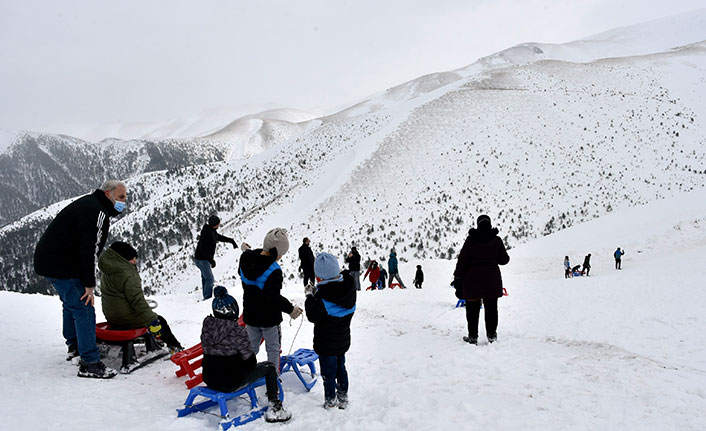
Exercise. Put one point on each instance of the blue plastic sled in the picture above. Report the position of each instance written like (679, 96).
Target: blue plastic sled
(300, 358)
(220, 399)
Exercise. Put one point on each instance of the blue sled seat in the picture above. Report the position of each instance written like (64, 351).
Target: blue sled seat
(220, 399)
(300, 358)
(461, 303)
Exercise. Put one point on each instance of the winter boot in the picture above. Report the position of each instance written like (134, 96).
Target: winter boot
(96, 370)
(492, 338)
(72, 353)
(277, 413)
(329, 404)
(471, 340)
(342, 398)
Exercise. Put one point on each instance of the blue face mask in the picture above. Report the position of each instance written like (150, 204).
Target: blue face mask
(119, 206)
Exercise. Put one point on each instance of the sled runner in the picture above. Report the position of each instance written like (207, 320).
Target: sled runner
(300, 358)
(216, 398)
(189, 361)
(126, 339)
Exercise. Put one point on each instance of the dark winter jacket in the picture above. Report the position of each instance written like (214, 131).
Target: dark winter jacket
(331, 310)
(477, 274)
(587, 262)
(263, 304)
(206, 247)
(353, 261)
(71, 244)
(306, 256)
(392, 263)
(618, 254)
(227, 355)
(383, 276)
(122, 298)
(419, 276)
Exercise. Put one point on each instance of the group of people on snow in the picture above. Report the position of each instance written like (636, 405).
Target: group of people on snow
(67, 252)
(576, 271)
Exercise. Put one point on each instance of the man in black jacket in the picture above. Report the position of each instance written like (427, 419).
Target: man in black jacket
(66, 255)
(205, 250)
(263, 304)
(330, 307)
(306, 265)
(353, 261)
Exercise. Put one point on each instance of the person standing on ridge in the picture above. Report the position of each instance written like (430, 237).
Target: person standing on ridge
(66, 255)
(306, 262)
(618, 257)
(205, 252)
(353, 261)
(419, 277)
(477, 277)
(394, 270)
(567, 267)
(586, 264)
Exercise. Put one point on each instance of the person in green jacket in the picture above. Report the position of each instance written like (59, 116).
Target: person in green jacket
(122, 298)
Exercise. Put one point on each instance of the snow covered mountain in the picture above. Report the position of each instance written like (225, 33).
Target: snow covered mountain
(539, 144)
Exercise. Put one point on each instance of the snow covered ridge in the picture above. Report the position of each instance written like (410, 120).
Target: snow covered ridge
(539, 147)
(619, 350)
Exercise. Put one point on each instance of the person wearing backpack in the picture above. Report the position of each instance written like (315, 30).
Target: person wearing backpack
(618, 257)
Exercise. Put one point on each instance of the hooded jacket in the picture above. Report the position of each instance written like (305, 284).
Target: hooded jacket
(353, 261)
(123, 300)
(227, 354)
(477, 273)
(331, 309)
(263, 304)
(306, 256)
(75, 238)
(374, 273)
(206, 247)
(392, 263)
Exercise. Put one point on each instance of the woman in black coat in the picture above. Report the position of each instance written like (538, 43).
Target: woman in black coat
(477, 277)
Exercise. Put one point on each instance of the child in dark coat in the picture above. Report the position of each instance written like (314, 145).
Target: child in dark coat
(330, 307)
(228, 360)
(419, 277)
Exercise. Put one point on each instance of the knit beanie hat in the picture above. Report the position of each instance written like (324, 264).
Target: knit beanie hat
(124, 249)
(224, 305)
(326, 266)
(213, 221)
(483, 222)
(276, 238)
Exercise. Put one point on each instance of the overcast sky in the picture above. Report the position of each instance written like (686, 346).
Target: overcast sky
(71, 64)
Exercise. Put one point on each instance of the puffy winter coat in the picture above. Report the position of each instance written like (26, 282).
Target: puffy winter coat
(331, 310)
(71, 244)
(477, 274)
(206, 247)
(392, 263)
(122, 299)
(227, 354)
(306, 256)
(353, 261)
(374, 273)
(263, 303)
(419, 276)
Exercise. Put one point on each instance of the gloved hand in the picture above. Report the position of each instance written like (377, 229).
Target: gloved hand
(310, 289)
(296, 312)
(213, 264)
(156, 328)
(245, 246)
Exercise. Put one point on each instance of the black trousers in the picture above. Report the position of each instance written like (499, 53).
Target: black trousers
(309, 276)
(269, 372)
(167, 335)
(491, 317)
(617, 264)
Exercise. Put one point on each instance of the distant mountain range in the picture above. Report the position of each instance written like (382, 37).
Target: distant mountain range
(540, 137)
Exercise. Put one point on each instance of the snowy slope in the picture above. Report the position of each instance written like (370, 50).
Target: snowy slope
(617, 350)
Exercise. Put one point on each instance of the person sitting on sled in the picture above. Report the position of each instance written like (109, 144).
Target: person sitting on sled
(374, 272)
(122, 298)
(228, 359)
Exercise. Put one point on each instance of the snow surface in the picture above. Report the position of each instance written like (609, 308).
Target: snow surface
(617, 350)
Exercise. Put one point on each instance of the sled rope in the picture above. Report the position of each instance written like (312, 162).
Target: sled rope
(295, 335)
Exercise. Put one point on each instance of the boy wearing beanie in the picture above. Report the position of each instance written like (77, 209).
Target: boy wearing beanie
(263, 304)
(330, 307)
(123, 300)
(228, 360)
